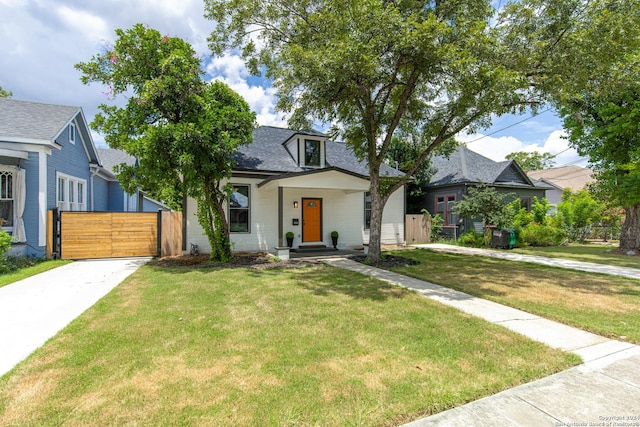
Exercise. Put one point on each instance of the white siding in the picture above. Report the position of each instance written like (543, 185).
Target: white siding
(392, 220)
(342, 211)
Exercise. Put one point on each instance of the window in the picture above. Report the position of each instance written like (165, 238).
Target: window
(525, 202)
(444, 208)
(72, 133)
(239, 209)
(367, 210)
(6, 198)
(311, 153)
(71, 193)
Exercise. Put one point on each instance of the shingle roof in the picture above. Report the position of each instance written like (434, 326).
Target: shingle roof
(33, 120)
(268, 153)
(111, 158)
(572, 177)
(466, 166)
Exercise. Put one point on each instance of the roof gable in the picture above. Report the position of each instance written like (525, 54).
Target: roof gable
(464, 166)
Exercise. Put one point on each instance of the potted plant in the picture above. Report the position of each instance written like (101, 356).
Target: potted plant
(289, 237)
(334, 239)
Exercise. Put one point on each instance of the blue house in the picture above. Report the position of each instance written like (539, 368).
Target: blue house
(48, 159)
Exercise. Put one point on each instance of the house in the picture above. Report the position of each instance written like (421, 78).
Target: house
(118, 200)
(465, 168)
(304, 183)
(572, 177)
(47, 159)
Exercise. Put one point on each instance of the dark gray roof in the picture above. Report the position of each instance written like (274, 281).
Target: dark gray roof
(267, 153)
(466, 166)
(33, 120)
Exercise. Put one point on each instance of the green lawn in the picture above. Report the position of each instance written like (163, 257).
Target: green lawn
(598, 253)
(300, 346)
(606, 305)
(23, 273)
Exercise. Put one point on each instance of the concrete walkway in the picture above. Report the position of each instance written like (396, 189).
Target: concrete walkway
(34, 309)
(591, 267)
(605, 388)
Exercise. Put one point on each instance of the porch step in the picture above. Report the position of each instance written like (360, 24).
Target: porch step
(310, 248)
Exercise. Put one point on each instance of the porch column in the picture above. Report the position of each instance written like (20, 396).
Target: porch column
(280, 216)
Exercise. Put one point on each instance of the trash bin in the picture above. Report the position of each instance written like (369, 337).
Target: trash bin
(499, 238)
(503, 238)
(511, 243)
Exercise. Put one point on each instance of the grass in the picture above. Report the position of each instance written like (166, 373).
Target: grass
(300, 346)
(32, 270)
(598, 253)
(603, 304)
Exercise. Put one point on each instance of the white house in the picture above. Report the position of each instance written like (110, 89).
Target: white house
(304, 183)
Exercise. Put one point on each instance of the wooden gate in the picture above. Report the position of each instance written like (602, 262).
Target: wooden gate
(418, 228)
(81, 235)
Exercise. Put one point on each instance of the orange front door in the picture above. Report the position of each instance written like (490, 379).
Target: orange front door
(311, 220)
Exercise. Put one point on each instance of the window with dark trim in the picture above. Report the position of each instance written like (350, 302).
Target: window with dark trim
(239, 205)
(525, 202)
(444, 208)
(311, 152)
(367, 210)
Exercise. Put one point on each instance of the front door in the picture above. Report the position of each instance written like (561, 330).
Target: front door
(311, 220)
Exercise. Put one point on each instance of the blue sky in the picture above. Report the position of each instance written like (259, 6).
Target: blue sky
(41, 40)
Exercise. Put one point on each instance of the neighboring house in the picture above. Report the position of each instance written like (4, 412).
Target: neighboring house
(119, 200)
(47, 159)
(572, 177)
(302, 182)
(465, 168)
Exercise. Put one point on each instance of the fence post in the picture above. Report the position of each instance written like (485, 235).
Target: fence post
(159, 239)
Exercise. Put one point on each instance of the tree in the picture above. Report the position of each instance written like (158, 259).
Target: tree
(606, 127)
(373, 68)
(601, 113)
(182, 130)
(577, 212)
(5, 93)
(532, 161)
(485, 202)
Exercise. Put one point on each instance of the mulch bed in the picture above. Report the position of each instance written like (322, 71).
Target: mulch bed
(261, 261)
(258, 261)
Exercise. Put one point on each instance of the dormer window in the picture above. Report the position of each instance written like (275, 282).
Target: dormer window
(308, 151)
(311, 152)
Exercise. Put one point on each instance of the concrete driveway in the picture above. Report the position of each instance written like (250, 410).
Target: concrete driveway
(35, 309)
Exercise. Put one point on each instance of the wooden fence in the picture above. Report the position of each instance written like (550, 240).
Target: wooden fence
(418, 228)
(81, 235)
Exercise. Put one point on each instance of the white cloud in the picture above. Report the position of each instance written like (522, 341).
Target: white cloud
(231, 70)
(497, 148)
(86, 24)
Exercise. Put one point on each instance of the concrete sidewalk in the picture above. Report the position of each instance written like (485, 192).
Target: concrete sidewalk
(607, 384)
(34, 309)
(591, 267)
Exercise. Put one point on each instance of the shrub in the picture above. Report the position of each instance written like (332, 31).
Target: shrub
(536, 234)
(471, 238)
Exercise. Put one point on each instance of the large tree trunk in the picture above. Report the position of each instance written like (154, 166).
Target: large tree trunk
(375, 227)
(630, 234)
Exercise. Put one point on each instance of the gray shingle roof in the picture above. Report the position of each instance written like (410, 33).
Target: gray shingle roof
(111, 158)
(466, 166)
(268, 153)
(33, 120)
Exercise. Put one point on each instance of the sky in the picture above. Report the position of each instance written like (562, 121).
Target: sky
(41, 40)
